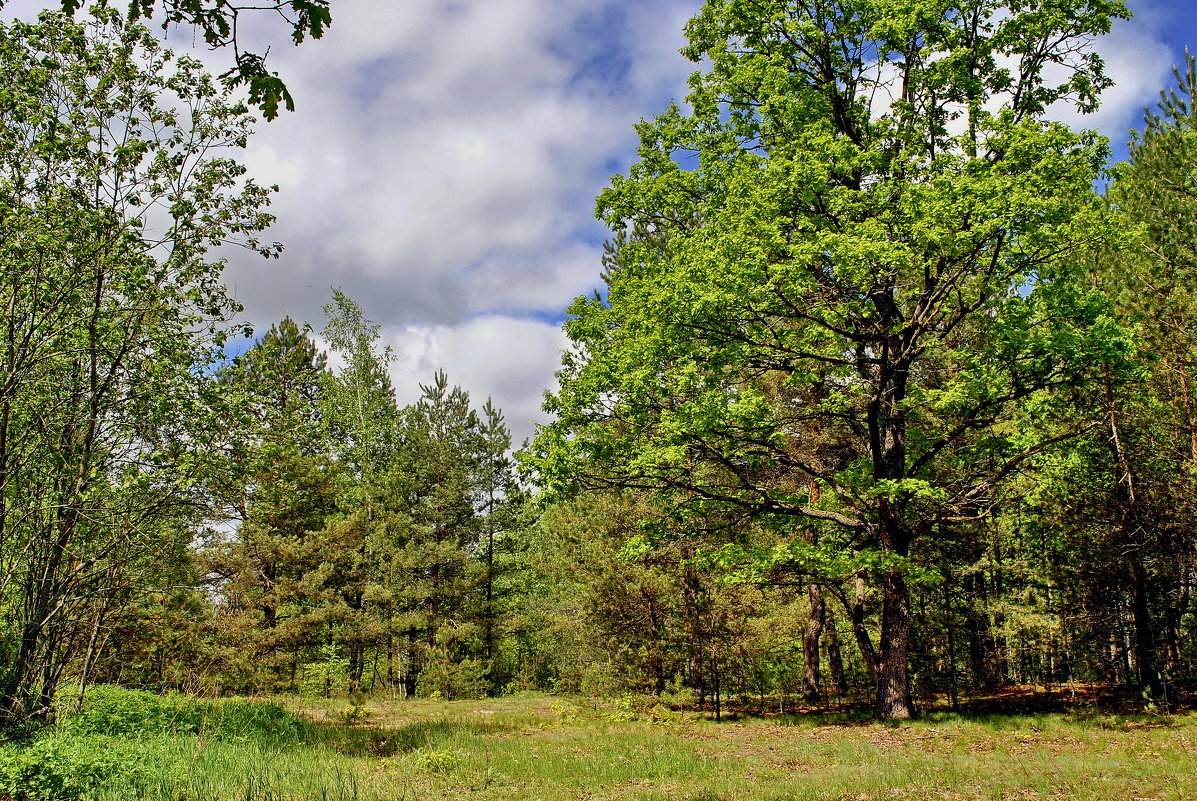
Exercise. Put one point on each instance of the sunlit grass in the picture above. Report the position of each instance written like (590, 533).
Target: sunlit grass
(554, 749)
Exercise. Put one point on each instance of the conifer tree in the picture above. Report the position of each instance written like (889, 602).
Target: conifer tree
(279, 485)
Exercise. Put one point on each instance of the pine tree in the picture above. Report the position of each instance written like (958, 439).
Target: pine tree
(280, 488)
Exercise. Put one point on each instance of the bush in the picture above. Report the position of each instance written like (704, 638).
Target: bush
(435, 761)
(61, 767)
(113, 747)
(355, 711)
(602, 680)
(113, 711)
(449, 680)
(325, 675)
(678, 696)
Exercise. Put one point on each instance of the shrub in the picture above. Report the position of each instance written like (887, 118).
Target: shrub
(444, 678)
(435, 761)
(325, 675)
(61, 767)
(114, 711)
(355, 711)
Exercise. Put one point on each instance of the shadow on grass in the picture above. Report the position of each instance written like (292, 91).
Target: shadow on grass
(379, 742)
(1099, 707)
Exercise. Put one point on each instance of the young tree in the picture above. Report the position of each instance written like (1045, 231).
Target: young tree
(498, 496)
(443, 483)
(359, 405)
(360, 416)
(278, 486)
(115, 186)
(862, 237)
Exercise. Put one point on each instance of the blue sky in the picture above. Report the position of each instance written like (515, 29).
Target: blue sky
(443, 162)
(1173, 26)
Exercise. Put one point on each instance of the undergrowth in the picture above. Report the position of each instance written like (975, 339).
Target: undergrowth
(134, 746)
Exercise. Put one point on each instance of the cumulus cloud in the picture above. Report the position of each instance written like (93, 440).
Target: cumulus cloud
(491, 356)
(443, 161)
(441, 169)
(436, 140)
(1139, 61)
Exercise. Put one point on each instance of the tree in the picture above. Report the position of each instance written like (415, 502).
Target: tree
(114, 186)
(1136, 481)
(217, 23)
(442, 481)
(278, 487)
(360, 418)
(498, 499)
(359, 407)
(860, 261)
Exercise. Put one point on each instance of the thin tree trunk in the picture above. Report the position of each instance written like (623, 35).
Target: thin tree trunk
(810, 645)
(835, 660)
(976, 630)
(856, 617)
(89, 655)
(950, 627)
(1144, 637)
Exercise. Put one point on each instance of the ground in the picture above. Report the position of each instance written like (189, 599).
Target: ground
(131, 745)
(555, 748)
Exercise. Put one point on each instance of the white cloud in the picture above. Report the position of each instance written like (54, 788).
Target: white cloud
(441, 169)
(442, 165)
(508, 359)
(1139, 62)
(444, 158)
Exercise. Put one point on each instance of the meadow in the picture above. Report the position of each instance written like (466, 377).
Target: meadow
(131, 745)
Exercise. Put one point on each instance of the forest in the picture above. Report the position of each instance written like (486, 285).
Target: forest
(882, 410)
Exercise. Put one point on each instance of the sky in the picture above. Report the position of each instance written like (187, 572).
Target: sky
(443, 160)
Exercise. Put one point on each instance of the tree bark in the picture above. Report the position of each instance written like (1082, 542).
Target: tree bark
(893, 653)
(810, 645)
(835, 660)
(977, 632)
(1146, 672)
(1133, 533)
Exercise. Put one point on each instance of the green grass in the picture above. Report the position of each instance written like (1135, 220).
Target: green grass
(553, 749)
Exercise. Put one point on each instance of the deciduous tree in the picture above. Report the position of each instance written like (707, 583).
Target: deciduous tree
(115, 181)
(866, 208)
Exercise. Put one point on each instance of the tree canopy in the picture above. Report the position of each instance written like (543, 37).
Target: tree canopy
(862, 256)
(217, 22)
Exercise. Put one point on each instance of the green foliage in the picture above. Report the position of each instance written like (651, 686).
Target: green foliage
(112, 746)
(355, 711)
(446, 679)
(854, 265)
(881, 398)
(278, 485)
(327, 670)
(116, 712)
(435, 761)
(69, 767)
(216, 23)
(118, 176)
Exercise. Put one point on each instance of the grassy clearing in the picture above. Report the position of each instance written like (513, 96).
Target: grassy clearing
(552, 748)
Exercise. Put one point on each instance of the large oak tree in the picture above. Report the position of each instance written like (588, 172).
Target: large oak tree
(855, 256)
